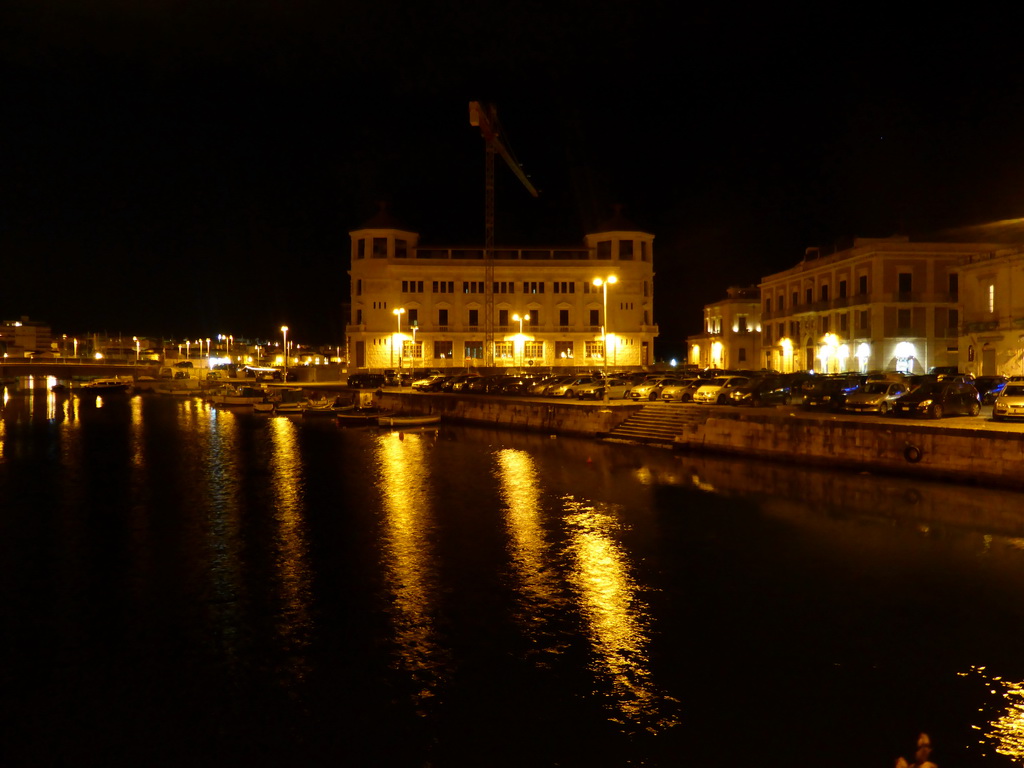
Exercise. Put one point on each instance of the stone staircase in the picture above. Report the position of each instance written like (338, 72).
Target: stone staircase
(659, 423)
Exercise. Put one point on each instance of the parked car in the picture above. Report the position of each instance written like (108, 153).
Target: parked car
(616, 389)
(719, 389)
(457, 382)
(541, 387)
(828, 392)
(939, 398)
(765, 390)
(989, 387)
(874, 397)
(680, 391)
(569, 387)
(650, 389)
(426, 383)
(487, 384)
(1010, 402)
(516, 385)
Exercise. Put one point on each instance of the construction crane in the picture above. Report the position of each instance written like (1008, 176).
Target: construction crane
(485, 117)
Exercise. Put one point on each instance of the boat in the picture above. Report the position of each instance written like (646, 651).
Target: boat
(229, 396)
(263, 407)
(326, 406)
(409, 420)
(356, 416)
(105, 386)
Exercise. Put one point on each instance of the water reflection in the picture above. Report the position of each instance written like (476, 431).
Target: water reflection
(217, 467)
(405, 483)
(1004, 733)
(292, 558)
(540, 586)
(617, 620)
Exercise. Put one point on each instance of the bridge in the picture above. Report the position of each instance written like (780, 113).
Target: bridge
(68, 369)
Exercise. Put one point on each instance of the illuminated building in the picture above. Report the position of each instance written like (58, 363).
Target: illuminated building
(459, 308)
(881, 304)
(24, 337)
(992, 299)
(731, 337)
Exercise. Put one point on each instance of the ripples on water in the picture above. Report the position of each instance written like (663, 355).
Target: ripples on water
(186, 585)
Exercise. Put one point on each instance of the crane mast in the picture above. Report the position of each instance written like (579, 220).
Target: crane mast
(485, 117)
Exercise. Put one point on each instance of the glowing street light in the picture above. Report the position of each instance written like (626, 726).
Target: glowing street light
(136, 340)
(398, 316)
(603, 284)
(284, 333)
(522, 339)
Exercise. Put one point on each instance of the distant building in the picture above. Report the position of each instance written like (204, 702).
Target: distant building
(992, 298)
(732, 332)
(414, 306)
(882, 304)
(25, 338)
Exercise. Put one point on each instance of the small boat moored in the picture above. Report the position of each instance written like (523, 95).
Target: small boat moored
(105, 386)
(409, 420)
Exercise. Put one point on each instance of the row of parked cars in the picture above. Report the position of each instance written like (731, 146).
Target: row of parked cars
(939, 393)
(933, 395)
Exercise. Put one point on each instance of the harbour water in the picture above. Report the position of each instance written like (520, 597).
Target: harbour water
(182, 585)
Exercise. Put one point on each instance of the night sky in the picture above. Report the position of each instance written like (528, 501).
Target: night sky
(192, 168)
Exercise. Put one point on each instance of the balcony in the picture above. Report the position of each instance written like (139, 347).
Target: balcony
(981, 327)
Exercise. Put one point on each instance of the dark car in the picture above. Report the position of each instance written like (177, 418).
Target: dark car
(939, 398)
(767, 390)
(989, 387)
(515, 385)
(828, 392)
(458, 382)
(488, 384)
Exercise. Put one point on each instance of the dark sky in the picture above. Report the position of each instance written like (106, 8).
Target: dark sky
(191, 168)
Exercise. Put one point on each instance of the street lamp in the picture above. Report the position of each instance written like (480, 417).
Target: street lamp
(398, 316)
(284, 333)
(603, 284)
(522, 339)
(136, 340)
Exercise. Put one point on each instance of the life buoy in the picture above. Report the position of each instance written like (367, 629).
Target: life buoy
(912, 453)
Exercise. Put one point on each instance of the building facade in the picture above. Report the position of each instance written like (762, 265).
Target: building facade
(732, 332)
(992, 297)
(420, 307)
(882, 304)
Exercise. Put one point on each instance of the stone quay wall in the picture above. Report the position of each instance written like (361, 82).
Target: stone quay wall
(908, 448)
(583, 419)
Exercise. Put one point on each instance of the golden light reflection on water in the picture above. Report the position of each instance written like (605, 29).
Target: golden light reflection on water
(404, 484)
(1003, 734)
(616, 617)
(288, 482)
(532, 560)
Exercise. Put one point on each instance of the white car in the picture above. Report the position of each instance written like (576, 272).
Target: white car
(570, 387)
(616, 388)
(874, 397)
(673, 393)
(1010, 403)
(717, 390)
(650, 389)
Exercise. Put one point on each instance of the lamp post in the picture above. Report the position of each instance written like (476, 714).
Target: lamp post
(188, 348)
(603, 284)
(398, 316)
(522, 339)
(136, 340)
(284, 334)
